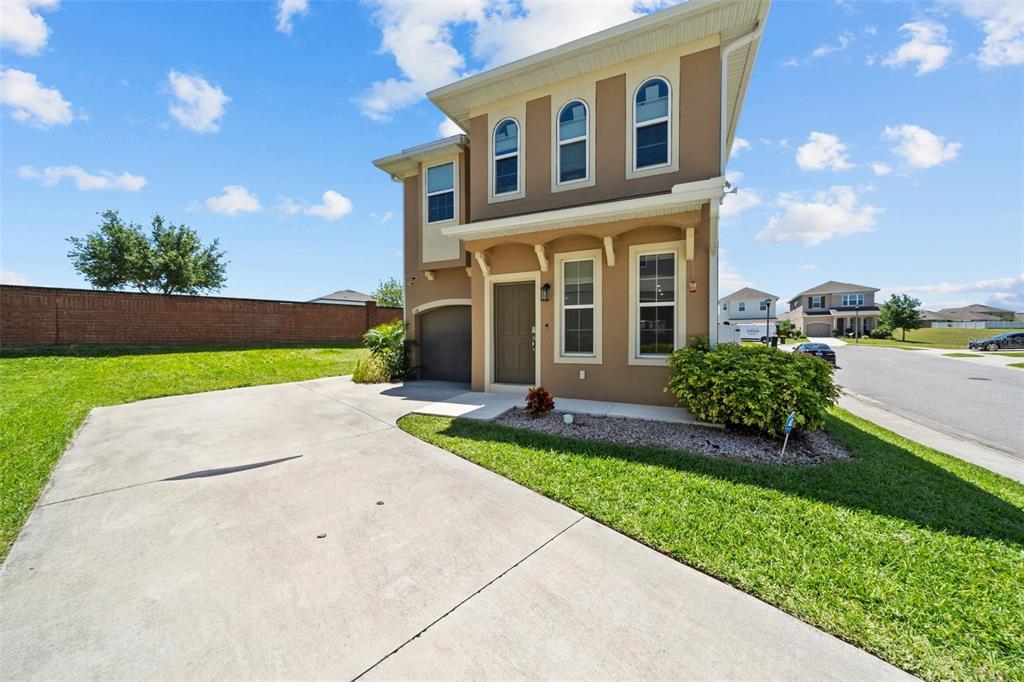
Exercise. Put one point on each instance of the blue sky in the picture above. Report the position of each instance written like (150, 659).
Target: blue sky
(882, 143)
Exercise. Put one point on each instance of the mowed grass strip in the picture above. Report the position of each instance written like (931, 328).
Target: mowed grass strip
(935, 338)
(960, 355)
(911, 554)
(45, 395)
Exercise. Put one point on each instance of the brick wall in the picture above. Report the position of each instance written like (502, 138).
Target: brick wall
(40, 316)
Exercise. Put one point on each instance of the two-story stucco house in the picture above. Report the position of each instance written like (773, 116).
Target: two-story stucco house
(747, 305)
(834, 306)
(570, 237)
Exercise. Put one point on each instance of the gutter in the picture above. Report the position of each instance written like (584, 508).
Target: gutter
(723, 159)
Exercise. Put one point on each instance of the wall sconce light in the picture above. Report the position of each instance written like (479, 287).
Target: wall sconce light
(545, 292)
(693, 286)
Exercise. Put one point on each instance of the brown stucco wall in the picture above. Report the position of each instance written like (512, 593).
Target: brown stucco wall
(615, 379)
(698, 135)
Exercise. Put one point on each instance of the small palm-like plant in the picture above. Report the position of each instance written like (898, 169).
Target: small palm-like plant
(388, 345)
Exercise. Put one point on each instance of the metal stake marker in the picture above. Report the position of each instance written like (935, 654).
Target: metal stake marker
(789, 427)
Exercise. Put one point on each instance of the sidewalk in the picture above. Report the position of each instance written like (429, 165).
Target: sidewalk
(968, 450)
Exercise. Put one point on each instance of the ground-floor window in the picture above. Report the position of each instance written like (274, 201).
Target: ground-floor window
(578, 317)
(656, 303)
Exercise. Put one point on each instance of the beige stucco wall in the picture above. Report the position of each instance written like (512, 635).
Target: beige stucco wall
(614, 379)
(695, 142)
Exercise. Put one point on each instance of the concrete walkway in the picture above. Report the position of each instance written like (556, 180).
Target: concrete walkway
(292, 531)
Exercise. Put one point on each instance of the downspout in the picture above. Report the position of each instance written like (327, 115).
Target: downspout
(713, 220)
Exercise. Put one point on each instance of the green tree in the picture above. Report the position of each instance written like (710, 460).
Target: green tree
(170, 259)
(901, 311)
(389, 293)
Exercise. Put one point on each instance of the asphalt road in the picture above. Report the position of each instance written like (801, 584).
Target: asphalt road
(986, 403)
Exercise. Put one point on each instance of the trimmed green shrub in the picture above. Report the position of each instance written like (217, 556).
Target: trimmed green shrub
(881, 332)
(752, 388)
(388, 345)
(370, 371)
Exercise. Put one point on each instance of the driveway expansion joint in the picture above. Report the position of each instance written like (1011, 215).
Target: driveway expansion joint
(481, 589)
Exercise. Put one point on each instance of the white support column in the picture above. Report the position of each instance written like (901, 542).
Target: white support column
(712, 272)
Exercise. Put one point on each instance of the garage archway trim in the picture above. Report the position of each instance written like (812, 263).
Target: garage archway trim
(441, 303)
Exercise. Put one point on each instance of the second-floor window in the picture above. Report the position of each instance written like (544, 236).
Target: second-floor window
(441, 192)
(725, 306)
(651, 118)
(763, 306)
(741, 306)
(817, 301)
(506, 157)
(853, 299)
(572, 142)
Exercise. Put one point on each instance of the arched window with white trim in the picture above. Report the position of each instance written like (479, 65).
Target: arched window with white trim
(651, 124)
(506, 157)
(573, 142)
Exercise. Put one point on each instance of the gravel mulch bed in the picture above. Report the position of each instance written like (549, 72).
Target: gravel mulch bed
(810, 448)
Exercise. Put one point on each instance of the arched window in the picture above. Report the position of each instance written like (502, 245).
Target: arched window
(651, 116)
(572, 141)
(506, 157)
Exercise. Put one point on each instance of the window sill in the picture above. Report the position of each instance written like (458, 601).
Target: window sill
(578, 360)
(650, 361)
(510, 196)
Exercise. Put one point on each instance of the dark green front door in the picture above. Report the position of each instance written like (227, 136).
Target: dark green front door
(514, 327)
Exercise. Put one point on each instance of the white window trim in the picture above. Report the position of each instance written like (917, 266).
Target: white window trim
(741, 307)
(489, 281)
(578, 358)
(585, 138)
(816, 307)
(679, 328)
(636, 82)
(494, 158)
(454, 220)
(763, 307)
(858, 300)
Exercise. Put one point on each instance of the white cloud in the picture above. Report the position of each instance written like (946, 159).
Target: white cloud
(826, 49)
(729, 279)
(881, 168)
(332, 206)
(52, 175)
(12, 277)
(734, 204)
(739, 144)
(929, 46)
(420, 38)
(22, 28)
(1003, 24)
(198, 106)
(1005, 292)
(32, 103)
(823, 151)
(235, 199)
(836, 212)
(920, 147)
(448, 127)
(808, 266)
(286, 9)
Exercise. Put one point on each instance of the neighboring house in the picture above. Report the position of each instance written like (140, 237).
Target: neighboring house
(344, 297)
(976, 316)
(570, 239)
(747, 305)
(834, 307)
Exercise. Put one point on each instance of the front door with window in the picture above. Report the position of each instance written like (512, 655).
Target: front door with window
(514, 333)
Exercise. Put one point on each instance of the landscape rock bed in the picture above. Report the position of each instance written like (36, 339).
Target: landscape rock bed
(810, 448)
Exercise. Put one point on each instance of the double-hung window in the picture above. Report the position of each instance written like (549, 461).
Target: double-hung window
(572, 142)
(578, 307)
(762, 306)
(725, 306)
(741, 307)
(651, 120)
(506, 157)
(656, 304)
(817, 302)
(441, 192)
(850, 300)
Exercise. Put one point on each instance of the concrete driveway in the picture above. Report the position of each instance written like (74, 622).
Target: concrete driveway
(179, 538)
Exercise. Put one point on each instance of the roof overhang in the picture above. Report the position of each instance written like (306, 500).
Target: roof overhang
(685, 197)
(729, 20)
(407, 161)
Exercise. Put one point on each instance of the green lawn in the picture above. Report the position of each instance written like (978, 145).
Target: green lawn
(45, 395)
(911, 554)
(1011, 355)
(960, 355)
(1018, 365)
(936, 338)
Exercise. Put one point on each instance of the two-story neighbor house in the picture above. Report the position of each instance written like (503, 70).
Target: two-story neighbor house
(570, 238)
(834, 306)
(747, 305)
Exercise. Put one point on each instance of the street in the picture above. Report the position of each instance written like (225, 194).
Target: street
(983, 402)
